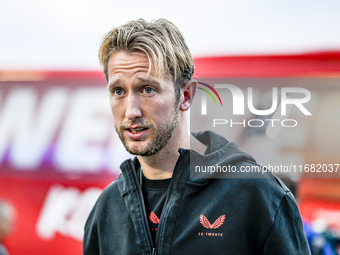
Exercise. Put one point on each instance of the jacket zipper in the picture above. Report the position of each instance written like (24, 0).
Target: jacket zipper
(145, 219)
(165, 207)
(170, 195)
(146, 224)
(154, 250)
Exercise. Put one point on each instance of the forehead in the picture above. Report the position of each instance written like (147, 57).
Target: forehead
(123, 61)
(125, 57)
(132, 64)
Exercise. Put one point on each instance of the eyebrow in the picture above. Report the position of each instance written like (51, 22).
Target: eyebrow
(142, 79)
(149, 81)
(113, 83)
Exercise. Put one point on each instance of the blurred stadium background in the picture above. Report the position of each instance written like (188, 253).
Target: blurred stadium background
(58, 147)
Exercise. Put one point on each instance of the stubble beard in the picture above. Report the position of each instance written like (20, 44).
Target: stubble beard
(160, 138)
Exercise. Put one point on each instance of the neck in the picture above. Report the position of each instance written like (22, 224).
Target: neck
(162, 164)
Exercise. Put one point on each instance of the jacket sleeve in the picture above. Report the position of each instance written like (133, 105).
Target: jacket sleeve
(90, 240)
(286, 235)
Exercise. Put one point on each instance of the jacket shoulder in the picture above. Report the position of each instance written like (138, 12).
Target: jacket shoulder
(110, 193)
(106, 218)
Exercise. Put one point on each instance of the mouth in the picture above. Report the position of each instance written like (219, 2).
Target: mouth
(136, 133)
(136, 130)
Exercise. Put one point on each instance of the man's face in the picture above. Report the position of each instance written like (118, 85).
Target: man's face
(143, 106)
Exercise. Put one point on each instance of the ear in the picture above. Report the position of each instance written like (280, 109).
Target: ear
(188, 92)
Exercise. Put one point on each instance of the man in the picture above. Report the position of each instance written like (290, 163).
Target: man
(154, 207)
(7, 217)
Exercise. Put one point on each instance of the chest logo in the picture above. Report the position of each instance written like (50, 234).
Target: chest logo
(153, 218)
(205, 222)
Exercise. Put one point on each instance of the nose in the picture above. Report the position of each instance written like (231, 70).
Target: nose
(133, 107)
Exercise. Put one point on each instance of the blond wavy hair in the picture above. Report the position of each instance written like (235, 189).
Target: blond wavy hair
(160, 40)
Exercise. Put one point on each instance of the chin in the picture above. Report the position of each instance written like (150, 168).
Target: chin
(136, 147)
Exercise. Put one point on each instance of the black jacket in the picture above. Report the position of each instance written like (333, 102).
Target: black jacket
(246, 213)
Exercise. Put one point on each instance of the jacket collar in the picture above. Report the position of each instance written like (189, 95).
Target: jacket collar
(130, 169)
(219, 152)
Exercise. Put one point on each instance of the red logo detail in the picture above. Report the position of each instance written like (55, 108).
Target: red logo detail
(153, 217)
(205, 222)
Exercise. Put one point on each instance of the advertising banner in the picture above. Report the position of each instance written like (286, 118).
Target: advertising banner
(58, 150)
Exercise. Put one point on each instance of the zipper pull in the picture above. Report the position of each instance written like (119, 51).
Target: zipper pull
(154, 251)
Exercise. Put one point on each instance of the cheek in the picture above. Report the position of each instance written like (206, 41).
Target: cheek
(162, 108)
(116, 110)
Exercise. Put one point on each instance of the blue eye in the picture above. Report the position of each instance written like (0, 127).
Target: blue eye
(118, 92)
(148, 90)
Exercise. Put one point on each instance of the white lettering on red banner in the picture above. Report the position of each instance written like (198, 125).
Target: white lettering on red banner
(65, 211)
